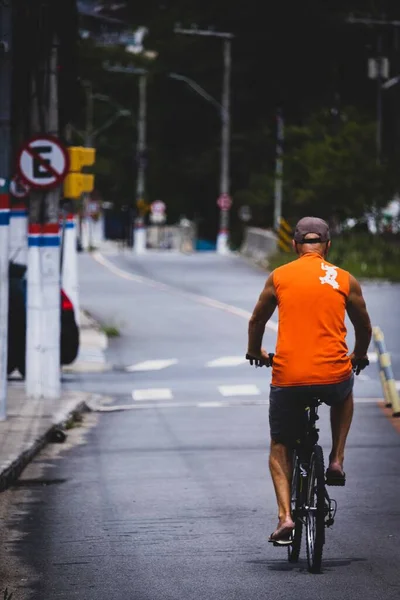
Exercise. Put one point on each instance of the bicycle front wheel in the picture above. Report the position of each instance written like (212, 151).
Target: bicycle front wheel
(315, 510)
(296, 506)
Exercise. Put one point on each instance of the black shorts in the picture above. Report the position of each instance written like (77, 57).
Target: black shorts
(286, 406)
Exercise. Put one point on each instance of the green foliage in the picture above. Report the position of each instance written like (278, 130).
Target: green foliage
(363, 255)
(301, 63)
(331, 168)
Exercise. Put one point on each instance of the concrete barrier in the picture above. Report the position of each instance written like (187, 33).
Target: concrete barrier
(179, 238)
(390, 392)
(258, 244)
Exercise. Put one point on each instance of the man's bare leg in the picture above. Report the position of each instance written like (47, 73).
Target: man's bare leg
(280, 464)
(341, 417)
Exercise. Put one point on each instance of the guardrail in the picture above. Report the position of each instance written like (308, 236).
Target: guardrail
(258, 243)
(390, 392)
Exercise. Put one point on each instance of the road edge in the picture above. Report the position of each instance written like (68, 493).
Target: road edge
(55, 432)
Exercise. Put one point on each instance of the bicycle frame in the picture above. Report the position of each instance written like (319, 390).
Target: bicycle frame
(304, 449)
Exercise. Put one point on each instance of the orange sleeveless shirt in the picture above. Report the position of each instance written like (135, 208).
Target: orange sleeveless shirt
(311, 347)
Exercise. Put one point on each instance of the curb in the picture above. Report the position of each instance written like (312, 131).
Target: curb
(10, 473)
(93, 344)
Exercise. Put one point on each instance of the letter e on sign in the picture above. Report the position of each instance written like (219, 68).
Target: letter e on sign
(43, 162)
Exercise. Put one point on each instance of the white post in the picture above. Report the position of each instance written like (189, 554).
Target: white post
(50, 260)
(43, 371)
(51, 303)
(223, 234)
(5, 147)
(33, 376)
(139, 240)
(4, 235)
(70, 283)
(19, 234)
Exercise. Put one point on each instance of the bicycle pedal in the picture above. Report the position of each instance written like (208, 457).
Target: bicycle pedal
(329, 522)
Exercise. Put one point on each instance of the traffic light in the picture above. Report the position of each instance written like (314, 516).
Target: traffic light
(77, 183)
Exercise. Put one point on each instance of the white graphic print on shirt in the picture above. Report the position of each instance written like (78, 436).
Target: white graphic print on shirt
(330, 277)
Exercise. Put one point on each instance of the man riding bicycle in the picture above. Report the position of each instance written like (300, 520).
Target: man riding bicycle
(311, 356)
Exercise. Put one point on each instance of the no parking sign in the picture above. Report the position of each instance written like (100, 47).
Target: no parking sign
(43, 162)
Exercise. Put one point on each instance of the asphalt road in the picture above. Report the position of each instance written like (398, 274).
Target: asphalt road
(169, 496)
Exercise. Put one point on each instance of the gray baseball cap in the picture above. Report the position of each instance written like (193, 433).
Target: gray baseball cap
(312, 225)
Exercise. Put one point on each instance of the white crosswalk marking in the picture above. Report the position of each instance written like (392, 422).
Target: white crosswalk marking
(227, 361)
(239, 390)
(152, 365)
(152, 394)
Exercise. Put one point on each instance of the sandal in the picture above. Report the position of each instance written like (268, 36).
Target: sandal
(335, 478)
(282, 539)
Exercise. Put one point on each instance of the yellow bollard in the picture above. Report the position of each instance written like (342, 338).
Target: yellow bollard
(386, 373)
(388, 403)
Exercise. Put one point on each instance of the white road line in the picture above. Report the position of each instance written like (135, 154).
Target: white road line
(138, 406)
(233, 310)
(227, 361)
(239, 390)
(123, 407)
(373, 357)
(151, 365)
(152, 394)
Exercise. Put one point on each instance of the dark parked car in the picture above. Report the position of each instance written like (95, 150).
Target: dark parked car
(69, 341)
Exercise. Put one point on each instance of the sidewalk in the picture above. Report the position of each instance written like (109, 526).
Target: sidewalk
(32, 423)
(93, 343)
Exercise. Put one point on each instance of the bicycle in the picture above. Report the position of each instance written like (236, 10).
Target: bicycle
(311, 505)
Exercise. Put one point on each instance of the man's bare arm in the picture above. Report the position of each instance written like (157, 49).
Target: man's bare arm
(262, 312)
(358, 314)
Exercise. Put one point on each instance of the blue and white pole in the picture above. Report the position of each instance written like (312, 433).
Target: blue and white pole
(43, 312)
(70, 283)
(4, 240)
(19, 233)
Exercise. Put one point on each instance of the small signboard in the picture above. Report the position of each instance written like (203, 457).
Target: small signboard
(158, 207)
(224, 202)
(18, 188)
(43, 162)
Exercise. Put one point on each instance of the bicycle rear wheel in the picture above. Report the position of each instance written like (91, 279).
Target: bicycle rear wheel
(315, 511)
(296, 506)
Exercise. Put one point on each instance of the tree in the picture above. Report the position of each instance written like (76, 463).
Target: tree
(331, 167)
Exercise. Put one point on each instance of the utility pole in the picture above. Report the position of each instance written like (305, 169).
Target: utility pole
(379, 70)
(5, 146)
(84, 223)
(278, 169)
(140, 233)
(43, 311)
(51, 276)
(139, 242)
(225, 201)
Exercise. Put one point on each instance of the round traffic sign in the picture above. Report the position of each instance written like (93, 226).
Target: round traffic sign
(158, 207)
(224, 202)
(43, 162)
(18, 188)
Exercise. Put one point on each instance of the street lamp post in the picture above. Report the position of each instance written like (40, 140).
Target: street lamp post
(140, 233)
(90, 134)
(224, 201)
(139, 244)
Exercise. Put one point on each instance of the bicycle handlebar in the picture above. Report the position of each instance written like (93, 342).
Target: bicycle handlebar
(358, 365)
